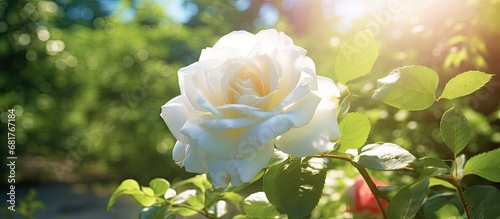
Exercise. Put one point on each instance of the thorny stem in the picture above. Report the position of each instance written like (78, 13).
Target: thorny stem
(366, 177)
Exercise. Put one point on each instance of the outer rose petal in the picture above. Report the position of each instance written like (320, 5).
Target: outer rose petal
(241, 40)
(312, 138)
(175, 114)
(242, 169)
(221, 144)
(187, 156)
(316, 136)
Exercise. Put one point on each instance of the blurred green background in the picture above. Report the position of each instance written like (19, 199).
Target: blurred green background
(87, 78)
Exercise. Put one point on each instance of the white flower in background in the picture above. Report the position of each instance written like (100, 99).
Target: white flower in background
(246, 95)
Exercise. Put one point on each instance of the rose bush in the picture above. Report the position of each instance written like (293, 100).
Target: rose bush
(245, 96)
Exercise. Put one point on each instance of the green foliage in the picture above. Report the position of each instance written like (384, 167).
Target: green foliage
(386, 156)
(455, 130)
(295, 185)
(257, 206)
(354, 130)
(344, 107)
(464, 84)
(356, 58)
(130, 187)
(443, 205)
(430, 166)
(486, 165)
(159, 186)
(483, 201)
(408, 200)
(408, 88)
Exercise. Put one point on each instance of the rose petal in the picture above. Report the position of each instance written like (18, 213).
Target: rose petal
(241, 169)
(194, 162)
(273, 39)
(305, 86)
(240, 110)
(241, 40)
(221, 143)
(290, 64)
(218, 124)
(187, 156)
(175, 114)
(193, 82)
(297, 115)
(179, 153)
(312, 138)
(327, 88)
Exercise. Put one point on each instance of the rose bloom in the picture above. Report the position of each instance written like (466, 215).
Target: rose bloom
(245, 96)
(361, 200)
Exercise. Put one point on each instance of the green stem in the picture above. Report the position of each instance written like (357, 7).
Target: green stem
(462, 199)
(366, 177)
(203, 212)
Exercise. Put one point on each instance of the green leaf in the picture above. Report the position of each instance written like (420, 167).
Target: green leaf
(277, 158)
(295, 185)
(257, 205)
(443, 205)
(356, 58)
(408, 88)
(438, 182)
(234, 198)
(430, 166)
(159, 186)
(354, 129)
(455, 129)
(344, 107)
(199, 181)
(483, 201)
(131, 188)
(386, 156)
(464, 84)
(408, 200)
(486, 165)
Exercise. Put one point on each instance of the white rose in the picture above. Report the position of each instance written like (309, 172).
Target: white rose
(246, 95)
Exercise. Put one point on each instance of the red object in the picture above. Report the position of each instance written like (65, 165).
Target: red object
(360, 198)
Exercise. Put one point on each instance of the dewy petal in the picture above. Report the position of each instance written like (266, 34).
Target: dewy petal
(175, 114)
(312, 138)
(241, 169)
(296, 116)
